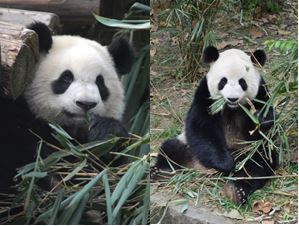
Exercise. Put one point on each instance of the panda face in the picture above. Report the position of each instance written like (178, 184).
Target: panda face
(76, 77)
(234, 77)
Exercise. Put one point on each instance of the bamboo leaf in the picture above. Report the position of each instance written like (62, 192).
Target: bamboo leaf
(76, 170)
(108, 199)
(127, 24)
(56, 207)
(251, 116)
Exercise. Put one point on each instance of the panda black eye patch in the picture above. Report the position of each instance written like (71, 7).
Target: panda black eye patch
(104, 91)
(243, 84)
(222, 83)
(60, 85)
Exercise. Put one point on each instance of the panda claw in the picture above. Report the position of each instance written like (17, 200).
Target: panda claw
(235, 193)
(156, 173)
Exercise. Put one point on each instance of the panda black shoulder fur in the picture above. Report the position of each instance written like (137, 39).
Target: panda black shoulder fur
(74, 77)
(209, 140)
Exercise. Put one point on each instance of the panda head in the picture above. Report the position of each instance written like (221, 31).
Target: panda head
(233, 74)
(76, 76)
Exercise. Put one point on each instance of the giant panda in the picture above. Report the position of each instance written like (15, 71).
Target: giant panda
(74, 78)
(210, 140)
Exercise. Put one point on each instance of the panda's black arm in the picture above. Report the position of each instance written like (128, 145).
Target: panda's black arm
(204, 133)
(104, 127)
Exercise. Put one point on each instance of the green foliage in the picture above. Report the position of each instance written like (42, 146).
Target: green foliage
(217, 105)
(250, 7)
(79, 188)
(194, 20)
(283, 97)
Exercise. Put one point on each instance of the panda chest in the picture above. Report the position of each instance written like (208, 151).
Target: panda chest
(233, 129)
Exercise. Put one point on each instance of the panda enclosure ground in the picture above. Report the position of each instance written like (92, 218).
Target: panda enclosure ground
(171, 96)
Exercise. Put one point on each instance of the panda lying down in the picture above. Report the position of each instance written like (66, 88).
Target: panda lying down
(74, 77)
(209, 140)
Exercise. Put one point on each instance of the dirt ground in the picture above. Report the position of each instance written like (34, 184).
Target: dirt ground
(171, 96)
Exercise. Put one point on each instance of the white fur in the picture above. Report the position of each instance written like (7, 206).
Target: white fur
(182, 137)
(233, 64)
(86, 59)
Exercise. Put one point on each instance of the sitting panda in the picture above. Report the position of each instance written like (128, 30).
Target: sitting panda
(74, 77)
(208, 140)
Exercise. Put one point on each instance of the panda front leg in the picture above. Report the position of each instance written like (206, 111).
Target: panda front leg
(206, 140)
(102, 128)
(258, 166)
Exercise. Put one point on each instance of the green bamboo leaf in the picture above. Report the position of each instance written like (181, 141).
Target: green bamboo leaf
(77, 169)
(108, 199)
(146, 202)
(251, 116)
(77, 214)
(217, 105)
(56, 207)
(127, 24)
(35, 174)
(140, 6)
(128, 189)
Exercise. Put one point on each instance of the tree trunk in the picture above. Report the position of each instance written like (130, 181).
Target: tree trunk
(25, 17)
(19, 54)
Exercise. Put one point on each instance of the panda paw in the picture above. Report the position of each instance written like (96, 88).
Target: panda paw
(103, 128)
(265, 122)
(237, 193)
(156, 173)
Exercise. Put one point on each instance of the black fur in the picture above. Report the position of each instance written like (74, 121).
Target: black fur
(60, 85)
(176, 151)
(205, 133)
(123, 54)
(44, 36)
(259, 57)
(243, 84)
(104, 91)
(210, 54)
(222, 83)
(18, 143)
(103, 127)
(206, 140)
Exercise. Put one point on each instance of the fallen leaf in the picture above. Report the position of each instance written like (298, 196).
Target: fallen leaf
(261, 206)
(174, 41)
(283, 32)
(224, 44)
(272, 18)
(154, 27)
(154, 41)
(268, 222)
(255, 33)
(153, 52)
(233, 214)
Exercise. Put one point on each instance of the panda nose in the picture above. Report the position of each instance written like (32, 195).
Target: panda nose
(86, 105)
(233, 99)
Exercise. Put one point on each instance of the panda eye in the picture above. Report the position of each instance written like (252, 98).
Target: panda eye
(66, 77)
(104, 91)
(243, 84)
(222, 83)
(60, 85)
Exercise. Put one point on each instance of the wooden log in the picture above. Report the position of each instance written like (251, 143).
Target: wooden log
(78, 12)
(19, 54)
(25, 17)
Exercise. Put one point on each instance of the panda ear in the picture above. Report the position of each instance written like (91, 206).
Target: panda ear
(210, 54)
(123, 54)
(44, 36)
(259, 57)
